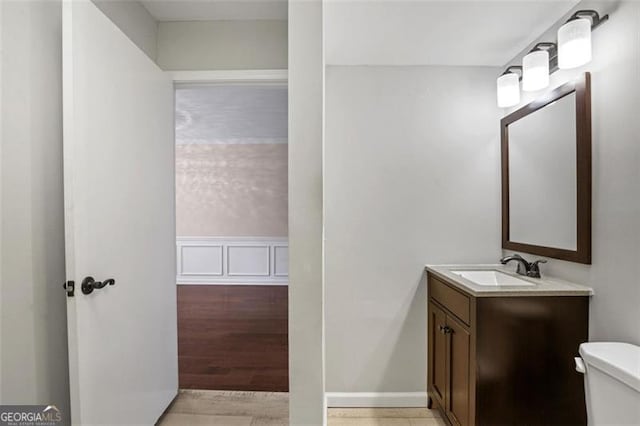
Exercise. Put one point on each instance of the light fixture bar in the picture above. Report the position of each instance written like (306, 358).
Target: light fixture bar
(596, 21)
(573, 46)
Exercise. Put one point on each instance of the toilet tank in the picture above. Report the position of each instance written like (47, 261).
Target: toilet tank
(612, 382)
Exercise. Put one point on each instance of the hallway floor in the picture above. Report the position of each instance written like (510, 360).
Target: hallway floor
(228, 408)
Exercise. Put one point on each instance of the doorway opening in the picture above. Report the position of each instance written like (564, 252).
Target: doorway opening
(231, 235)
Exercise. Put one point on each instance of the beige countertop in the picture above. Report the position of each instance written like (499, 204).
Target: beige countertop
(545, 286)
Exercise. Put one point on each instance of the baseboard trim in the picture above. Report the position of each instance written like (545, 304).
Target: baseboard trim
(376, 399)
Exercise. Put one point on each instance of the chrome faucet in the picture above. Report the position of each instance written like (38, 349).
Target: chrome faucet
(525, 268)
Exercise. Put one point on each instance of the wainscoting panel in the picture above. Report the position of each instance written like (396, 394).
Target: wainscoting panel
(281, 261)
(232, 260)
(248, 260)
(201, 260)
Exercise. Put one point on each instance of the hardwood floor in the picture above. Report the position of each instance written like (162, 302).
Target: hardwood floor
(272, 409)
(233, 338)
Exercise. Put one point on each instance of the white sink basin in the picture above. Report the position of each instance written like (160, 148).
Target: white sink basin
(493, 278)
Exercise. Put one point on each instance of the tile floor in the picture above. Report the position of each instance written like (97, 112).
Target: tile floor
(383, 417)
(225, 408)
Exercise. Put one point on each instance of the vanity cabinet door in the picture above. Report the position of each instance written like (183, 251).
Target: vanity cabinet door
(457, 403)
(437, 344)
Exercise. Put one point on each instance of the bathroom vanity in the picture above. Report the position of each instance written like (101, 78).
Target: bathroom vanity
(501, 347)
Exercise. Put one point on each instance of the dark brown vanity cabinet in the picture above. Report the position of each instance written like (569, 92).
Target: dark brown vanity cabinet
(450, 341)
(505, 359)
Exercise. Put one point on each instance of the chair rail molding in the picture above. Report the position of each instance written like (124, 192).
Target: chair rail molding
(232, 260)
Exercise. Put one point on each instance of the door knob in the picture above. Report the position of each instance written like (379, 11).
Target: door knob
(89, 284)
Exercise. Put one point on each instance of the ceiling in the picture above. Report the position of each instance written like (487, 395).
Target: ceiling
(428, 32)
(211, 10)
(398, 32)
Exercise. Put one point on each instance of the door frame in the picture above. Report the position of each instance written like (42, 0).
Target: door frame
(230, 76)
(213, 77)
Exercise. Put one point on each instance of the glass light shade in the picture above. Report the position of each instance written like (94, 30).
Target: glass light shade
(535, 71)
(574, 43)
(508, 90)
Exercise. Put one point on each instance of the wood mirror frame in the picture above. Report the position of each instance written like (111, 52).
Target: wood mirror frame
(582, 88)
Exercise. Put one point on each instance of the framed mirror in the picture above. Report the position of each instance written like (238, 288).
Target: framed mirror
(546, 174)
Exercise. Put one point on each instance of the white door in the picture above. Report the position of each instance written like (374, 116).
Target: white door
(120, 223)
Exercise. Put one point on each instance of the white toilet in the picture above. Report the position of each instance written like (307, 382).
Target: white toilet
(612, 382)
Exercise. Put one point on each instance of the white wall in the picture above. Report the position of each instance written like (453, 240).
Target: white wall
(615, 68)
(133, 20)
(34, 341)
(411, 177)
(2, 59)
(306, 322)
(222, 45)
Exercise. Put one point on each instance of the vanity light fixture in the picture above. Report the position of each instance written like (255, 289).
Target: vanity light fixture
(574, 38)
(535, 66)
(508, 85)
(572, 50)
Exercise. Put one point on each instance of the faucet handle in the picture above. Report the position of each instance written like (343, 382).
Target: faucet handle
(534, 268)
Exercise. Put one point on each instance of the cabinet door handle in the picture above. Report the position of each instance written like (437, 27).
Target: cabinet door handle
(446, 329)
